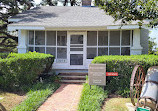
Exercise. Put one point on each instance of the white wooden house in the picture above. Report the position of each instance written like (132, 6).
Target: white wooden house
(75, 35)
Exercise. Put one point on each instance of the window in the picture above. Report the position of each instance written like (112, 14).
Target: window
(49, 42)
(102, 51)
(62, 38)
(91, 53)
(51, 38)
(91, 44)
(108, 43)
(51, 50)
(125, 37)
(103, 38)
(114, 38)
(76, 59)
(125, 51)
(40, 49)
(61, 45)
(76, 43)
(114, 51)
(76, 39)
(61, 53)
(102, 43)
(91, 38)
(31, 37)
(39, 37)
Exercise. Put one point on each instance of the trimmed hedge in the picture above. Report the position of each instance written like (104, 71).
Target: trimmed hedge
(3, 55)
(21, 69)
(124, 65)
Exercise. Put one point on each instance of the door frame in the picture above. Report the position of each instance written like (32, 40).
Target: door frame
(84, 52)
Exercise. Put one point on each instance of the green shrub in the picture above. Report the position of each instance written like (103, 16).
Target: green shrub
(4, 55)
(124, 65)
(36, 95)
(20, 69)
(91, 99)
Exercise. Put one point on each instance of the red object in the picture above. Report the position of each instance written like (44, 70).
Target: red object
(111, 73)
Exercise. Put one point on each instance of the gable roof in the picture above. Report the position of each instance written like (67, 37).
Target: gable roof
(55, 16)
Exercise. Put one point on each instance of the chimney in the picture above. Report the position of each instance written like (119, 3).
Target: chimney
(86, 3)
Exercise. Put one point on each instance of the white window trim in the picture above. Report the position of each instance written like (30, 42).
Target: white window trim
(108, 46)
(45, 45)
(97, 46)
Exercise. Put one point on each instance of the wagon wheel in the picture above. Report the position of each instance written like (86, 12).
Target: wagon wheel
(136, 82)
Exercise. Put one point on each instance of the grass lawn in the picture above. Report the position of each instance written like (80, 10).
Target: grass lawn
(91, 99)
(10, 100)
(116, 104)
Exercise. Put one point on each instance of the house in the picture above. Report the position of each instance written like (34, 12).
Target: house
(75, 35)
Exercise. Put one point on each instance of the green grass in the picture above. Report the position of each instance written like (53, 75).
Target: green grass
(36, 96)
(117, 104)
(91, 99)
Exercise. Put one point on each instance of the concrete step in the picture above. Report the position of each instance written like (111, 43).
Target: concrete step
(73, 77)
(72, 81)
(73, 74)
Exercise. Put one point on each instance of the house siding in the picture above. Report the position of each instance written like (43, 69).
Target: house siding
(144, 35)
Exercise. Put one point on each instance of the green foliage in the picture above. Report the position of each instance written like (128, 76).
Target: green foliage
(124, 65)
(9, 8)
(92, 99)
(55, 2)
(131, 10)
(151, 45)
(37, 94)
(3, 55)
(156, 53)
(20, 69)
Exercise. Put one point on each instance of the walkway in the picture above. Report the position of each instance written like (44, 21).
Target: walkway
(66, 98)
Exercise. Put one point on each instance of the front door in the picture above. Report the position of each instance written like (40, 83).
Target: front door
(76, 51)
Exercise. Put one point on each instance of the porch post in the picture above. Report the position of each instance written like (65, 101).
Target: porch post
(136, 49)
(22, 41)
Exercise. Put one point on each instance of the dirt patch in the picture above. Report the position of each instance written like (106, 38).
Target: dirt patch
(10, 100)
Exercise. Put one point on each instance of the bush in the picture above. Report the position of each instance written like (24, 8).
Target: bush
(124, 65)
(4, 55)
(20, 69)
(36, 95)
(92, 99)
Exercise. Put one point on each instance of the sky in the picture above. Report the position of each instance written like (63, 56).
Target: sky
(37, 1)
(153, 33)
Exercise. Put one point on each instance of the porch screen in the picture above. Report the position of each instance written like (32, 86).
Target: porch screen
(91, 44)
(50, 42)
(115, 42)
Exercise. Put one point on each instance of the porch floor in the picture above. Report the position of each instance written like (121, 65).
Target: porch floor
(66, 98)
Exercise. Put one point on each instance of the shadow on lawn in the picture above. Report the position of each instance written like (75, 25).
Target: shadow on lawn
(2, 108)
(19, 93)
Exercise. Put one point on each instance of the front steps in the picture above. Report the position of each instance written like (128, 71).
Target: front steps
(73, 78)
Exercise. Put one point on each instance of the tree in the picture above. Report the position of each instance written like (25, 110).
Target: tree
(151, 45)
(54, 2)
(131, 10)
(10, 8)
(156, 52)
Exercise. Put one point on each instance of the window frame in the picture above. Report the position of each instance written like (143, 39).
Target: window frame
(110, 46)
(45, 45)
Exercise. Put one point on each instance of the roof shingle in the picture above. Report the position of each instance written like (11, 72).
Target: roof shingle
(55, 16)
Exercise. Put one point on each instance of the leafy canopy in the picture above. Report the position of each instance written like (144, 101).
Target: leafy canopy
(131, 10)
(9, 8)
